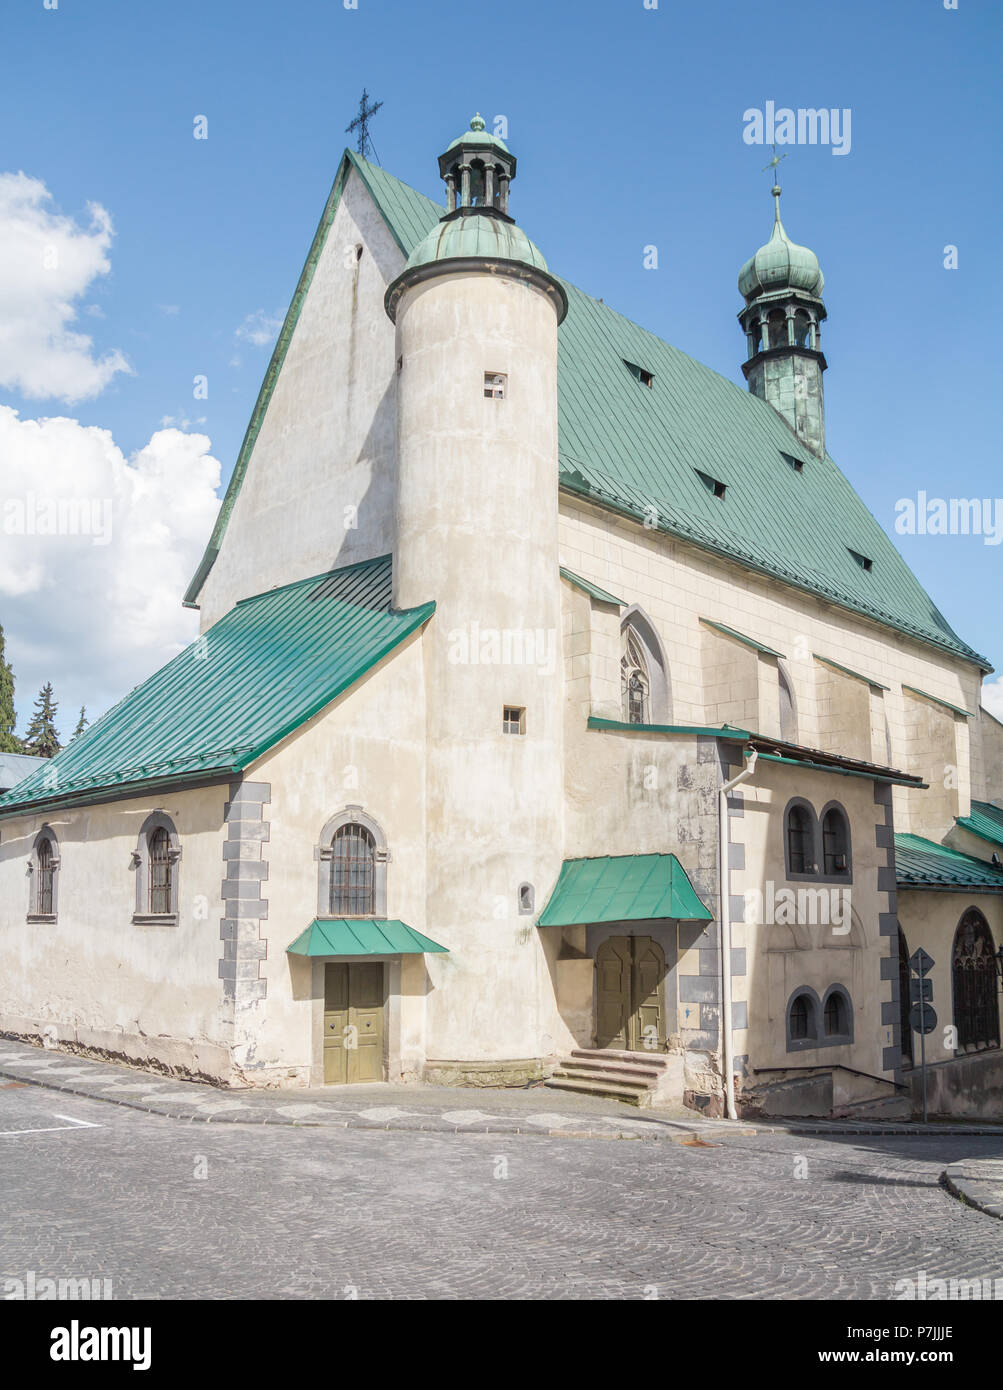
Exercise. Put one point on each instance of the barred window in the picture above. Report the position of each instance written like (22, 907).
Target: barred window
(353, 872)
(160, 872)
(46, 871)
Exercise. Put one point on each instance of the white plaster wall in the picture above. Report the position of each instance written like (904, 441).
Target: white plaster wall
(476, 528)
(104, 982)
(366, 750)
(327, 441)
(779, 960)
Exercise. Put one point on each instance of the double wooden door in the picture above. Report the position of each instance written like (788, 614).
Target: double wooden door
(353, 1021)
(630, 1006)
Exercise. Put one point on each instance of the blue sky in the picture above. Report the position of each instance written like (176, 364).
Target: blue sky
(627, 122)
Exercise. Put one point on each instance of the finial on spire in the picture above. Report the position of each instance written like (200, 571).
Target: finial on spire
(478, 122)
(775, 190)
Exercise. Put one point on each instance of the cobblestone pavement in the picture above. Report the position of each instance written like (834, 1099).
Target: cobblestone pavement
(978, 1181)
(180, 1211)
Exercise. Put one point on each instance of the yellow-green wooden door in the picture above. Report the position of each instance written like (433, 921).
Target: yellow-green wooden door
(630, 1013)
(353, 1021)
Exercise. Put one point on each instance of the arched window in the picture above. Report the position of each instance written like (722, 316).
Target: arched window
(837, 1015)
(644, 672)
(353, 872)
(802, 330)
(353, 858)
(973, 969)
(156, 861)
(778, 328)
(635, 682)
(799, 832)
(835, 843)
(44, 870)
(160, 871)
(788, 710)
(802, 1019)
(905, 1024)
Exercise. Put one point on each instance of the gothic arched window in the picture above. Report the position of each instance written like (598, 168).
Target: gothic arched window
(905, 1023)
(635, 681)
(160, 871)
(644, 674)
(973, 971)
(788, 712)
(837, 1015)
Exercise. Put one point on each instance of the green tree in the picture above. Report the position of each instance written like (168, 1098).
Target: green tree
(40, 737)
(9, 741)
(82, 722)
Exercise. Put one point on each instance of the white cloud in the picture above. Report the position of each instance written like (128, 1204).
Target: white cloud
(259, 329)
(992, 697)
(48, 261)
(96, 551)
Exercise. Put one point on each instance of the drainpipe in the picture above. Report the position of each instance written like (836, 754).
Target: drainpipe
(727, 1037)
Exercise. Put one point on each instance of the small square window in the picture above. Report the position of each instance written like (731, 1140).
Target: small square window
(495, 385)
(514, 720)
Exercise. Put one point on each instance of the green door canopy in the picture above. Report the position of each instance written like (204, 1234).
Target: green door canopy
(627, 888)
(359, 936)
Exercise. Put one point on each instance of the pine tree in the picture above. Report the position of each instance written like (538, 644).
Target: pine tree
(82, 722)
(41, 738)
(9, 742)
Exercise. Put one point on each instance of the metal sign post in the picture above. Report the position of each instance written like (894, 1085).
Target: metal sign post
(922, 1017)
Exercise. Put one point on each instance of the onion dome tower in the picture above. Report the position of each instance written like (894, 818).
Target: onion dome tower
(782, 286)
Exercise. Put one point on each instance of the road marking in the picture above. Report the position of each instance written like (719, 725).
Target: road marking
(53, 1129)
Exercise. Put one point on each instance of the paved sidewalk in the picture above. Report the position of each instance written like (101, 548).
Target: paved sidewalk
(979, 1182)
(437, 1109)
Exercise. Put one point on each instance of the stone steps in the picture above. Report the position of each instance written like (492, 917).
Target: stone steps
(631, 1077)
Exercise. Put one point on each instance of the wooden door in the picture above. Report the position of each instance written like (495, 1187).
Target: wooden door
(630, 1010)
(353, 1022)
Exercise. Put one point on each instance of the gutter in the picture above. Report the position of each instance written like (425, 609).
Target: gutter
(727, 1032)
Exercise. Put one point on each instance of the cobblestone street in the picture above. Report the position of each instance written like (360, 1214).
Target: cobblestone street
(171, 1209)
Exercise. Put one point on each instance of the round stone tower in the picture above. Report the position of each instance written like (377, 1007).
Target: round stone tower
(477, 315)
(782, 318)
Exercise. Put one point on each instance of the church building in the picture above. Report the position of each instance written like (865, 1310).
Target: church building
(559, 712)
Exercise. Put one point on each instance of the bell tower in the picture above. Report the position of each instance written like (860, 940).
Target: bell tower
(782, 286)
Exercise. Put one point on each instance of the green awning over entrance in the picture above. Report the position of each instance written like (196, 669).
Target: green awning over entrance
(625, 888)
(361, 936)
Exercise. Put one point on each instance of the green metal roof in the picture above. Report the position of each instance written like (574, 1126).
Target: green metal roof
(921, 863)
(633, 449)
(986, 821)
(741, 637)
(593, 590)
(845, 670)
(936, 700)
(627, 888)
(270, 664)
(723, 731)
(357, 936)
